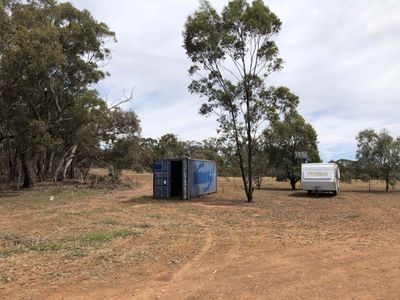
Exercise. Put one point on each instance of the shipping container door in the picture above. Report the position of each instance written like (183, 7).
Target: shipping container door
(162, 179)
(202, 178)
(185, 192)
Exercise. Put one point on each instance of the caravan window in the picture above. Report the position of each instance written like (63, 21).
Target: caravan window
(315, 173)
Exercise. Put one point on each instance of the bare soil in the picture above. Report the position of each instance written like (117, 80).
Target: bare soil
(122, 244)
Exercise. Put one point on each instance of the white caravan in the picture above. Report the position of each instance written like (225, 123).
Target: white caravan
(319, 177)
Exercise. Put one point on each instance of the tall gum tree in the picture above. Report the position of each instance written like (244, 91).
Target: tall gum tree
(283, 139)
(49, 60)
(379, 154)
(233, 53)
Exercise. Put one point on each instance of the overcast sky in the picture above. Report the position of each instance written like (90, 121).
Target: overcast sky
(342, 58)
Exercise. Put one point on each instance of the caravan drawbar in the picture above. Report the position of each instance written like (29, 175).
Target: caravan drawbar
(184, 178)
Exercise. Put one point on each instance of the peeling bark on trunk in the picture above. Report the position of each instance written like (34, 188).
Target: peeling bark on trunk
(64, 164)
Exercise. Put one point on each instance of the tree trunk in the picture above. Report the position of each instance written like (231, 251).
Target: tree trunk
(239, 153)
(293, 183)
(50, 164)
(11, 167)
(72, 170)
(387, 181)
(27, 171)
(65, 162)
(259, 181)
(250, 169)
(114, 173)
(14, 164)
(69, 160)
(41, 168)
(249, 142)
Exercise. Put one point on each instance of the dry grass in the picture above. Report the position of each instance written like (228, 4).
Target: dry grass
(122, 243)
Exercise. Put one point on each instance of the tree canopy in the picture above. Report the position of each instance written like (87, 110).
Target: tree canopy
(233, 53)
(283, 139)
(50, 57)
(379, 154)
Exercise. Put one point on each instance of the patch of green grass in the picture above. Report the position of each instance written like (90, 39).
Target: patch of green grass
(98, 236)
(353, 215)
(76, 253)
(44, 247)
(124, 233)
(154, 216)
(110, 222)
(102, 236)
(6, 252)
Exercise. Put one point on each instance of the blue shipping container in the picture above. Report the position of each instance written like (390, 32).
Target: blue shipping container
(184, 178)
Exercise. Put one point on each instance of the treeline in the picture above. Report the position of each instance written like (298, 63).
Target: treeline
(276, 151)
(377, 157)
(52, 123)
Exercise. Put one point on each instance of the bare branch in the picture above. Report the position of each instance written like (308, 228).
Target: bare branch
(127, 99)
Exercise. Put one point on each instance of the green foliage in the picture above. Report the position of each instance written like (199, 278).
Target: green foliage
(98, 236)
(379, 155)
(170, 147)
(51, 120)
(349, 170)
(45, 247)
(6, 252)
(232, 54)
(283, 139)
(154, 216)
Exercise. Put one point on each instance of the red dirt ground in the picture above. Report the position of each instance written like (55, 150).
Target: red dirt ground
(286, 245)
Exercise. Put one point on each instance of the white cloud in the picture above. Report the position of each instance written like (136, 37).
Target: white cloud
(341, 59)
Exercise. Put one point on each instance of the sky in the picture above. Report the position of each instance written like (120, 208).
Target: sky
(342, 58)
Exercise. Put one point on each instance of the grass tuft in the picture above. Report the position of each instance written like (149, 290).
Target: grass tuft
(102, 236)
(110, 222)
(124, 233)
(44, 247)
(6, 252)
(154, 216)
(353, 215)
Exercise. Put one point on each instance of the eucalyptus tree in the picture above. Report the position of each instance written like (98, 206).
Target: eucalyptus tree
(52, 57)
(379, 154)
(233, 53)
(283, 139)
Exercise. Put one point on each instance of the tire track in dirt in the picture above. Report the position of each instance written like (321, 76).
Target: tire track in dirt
(156, 290)
(182, 284)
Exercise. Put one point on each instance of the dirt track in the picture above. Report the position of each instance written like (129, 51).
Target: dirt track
(286, 245)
